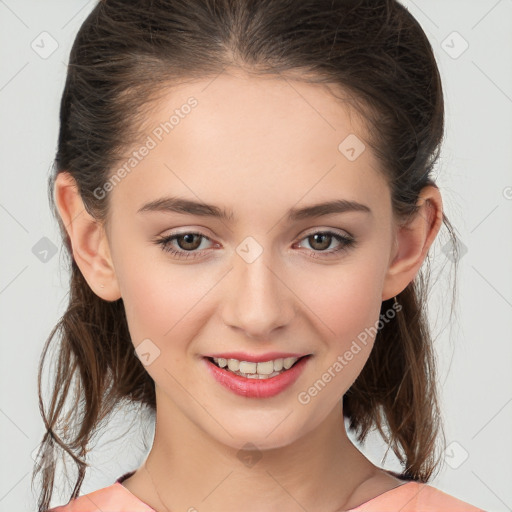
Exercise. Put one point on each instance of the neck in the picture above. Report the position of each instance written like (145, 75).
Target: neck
(189, 468)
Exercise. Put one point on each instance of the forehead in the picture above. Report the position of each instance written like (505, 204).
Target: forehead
(276, 111)
(235, 139)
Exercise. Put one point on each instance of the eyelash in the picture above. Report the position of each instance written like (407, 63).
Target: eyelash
(165, 242)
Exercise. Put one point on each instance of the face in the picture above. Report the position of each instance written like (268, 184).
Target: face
(257, 280)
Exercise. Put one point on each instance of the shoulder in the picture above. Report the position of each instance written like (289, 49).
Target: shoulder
(416, 497)
(426, 498)
(114, 498)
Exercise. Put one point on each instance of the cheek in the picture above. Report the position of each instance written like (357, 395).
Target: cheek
(162, 301)
(347, 296)
(346, 300)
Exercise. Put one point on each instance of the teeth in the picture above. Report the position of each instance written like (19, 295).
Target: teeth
(288, 361)
(261, 370)
(233, 364)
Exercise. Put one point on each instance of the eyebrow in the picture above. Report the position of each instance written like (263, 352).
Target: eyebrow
(187, 206)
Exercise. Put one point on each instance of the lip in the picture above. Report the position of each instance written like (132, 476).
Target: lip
(256, 358)
(257, 388)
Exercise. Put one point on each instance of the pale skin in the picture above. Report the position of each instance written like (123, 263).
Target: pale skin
(258, 147)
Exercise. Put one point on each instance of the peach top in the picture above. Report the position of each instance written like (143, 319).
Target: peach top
(407, 497)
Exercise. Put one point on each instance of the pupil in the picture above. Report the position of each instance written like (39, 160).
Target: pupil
(188, 241)
(318, 239)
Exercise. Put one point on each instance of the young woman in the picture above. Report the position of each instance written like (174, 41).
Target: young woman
(245, 191)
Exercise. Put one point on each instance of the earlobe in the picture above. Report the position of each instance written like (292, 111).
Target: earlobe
(413, 241)
(88, 239)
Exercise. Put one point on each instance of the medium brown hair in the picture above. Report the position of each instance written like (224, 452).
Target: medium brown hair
(124, 55)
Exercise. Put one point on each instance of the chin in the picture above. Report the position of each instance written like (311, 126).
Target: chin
(272, 430)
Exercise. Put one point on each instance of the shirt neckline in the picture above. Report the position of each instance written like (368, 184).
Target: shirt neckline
(137, 500)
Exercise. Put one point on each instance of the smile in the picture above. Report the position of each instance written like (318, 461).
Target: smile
(254, 382)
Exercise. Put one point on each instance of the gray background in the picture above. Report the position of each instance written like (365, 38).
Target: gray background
(474, 348)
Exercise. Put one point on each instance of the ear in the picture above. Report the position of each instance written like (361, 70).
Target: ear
(88, 239)
(413, 240)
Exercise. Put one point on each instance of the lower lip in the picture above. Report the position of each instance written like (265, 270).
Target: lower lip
(257, 388)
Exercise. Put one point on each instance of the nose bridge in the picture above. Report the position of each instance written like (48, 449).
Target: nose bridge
(256, 300)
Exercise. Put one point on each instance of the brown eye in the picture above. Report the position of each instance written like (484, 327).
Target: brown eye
(187, 243)
(321, 240)
(182, 245)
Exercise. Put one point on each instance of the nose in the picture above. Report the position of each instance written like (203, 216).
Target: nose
(256, 298)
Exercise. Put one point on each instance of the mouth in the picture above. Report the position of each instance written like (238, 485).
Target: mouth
(256, 385)
(255, 375)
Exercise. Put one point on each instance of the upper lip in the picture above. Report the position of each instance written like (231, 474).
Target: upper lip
(256, 358)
